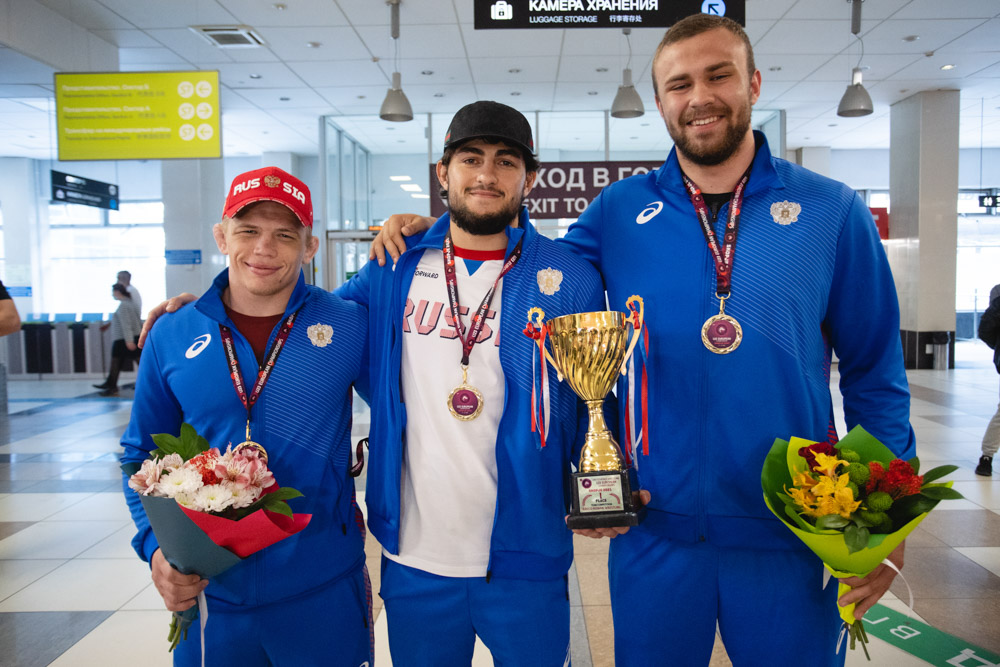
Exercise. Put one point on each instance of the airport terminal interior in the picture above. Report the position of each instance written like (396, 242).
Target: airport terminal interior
(305, 85)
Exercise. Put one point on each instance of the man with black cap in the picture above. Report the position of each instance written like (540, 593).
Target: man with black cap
(306, 599)
(465, 499)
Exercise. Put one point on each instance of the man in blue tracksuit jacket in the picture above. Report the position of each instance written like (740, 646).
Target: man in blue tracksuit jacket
(470, 512)
(304, 600)
(808, 276)
(802, 274)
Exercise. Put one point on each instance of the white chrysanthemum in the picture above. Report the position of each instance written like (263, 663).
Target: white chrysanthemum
(212, 498)
(185, 500)
(243, 496)
(182, 480)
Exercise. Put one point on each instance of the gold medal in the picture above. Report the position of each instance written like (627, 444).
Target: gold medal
(465, 402)
(721, 333)
(250, 444)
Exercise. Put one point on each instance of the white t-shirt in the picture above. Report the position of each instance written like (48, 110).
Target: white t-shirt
(449, 480)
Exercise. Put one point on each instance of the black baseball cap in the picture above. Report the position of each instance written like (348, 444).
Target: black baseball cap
(490, 119)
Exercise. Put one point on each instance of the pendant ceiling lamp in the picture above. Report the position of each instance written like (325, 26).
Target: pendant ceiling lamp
(395, 106)
(627, 102)
(856, 100)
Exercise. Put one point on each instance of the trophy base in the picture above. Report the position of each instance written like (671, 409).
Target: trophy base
(606, 520)
(604, 500)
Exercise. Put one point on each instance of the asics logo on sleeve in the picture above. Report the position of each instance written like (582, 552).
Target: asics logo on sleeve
(651, 211)
(200, 343)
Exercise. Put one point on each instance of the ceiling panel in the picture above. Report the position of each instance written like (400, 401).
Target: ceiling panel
(344, 73)
(531, 69)
(824, 9)
(291, 44)
(295, 12)
(935, 9)
(803, 37)
(89, 14)
(172, 14)
(933, 34)
(136, 38)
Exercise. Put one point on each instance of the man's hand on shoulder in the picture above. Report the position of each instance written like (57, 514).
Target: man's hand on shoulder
(169, 306)
(390, 238)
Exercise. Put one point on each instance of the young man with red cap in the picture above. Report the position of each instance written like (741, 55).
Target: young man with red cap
(305, 600)
(466, 500)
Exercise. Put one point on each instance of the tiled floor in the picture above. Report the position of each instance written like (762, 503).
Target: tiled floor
(72, 592)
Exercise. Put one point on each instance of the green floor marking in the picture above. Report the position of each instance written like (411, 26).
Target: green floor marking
(924, 642)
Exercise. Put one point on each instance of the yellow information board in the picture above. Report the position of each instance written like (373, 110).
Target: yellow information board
(138, 115)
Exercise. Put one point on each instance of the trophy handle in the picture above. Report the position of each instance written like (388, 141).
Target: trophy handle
(637, 328)
(536, 321)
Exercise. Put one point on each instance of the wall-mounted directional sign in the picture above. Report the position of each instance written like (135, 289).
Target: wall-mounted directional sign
(138, 115)
(72, 189)
(989, 201)
(499, 14)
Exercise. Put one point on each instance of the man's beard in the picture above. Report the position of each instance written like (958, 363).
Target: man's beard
(719, 152)
(483, 224)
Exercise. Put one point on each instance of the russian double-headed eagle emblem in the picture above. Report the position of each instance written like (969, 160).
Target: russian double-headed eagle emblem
(785, 212)
(320, 335)
(549, 280)
(272, 181)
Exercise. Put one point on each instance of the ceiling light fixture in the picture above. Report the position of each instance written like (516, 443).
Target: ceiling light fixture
(255, 76)
(395, 107)
(856, 100)
(947, 67)
(627, 102)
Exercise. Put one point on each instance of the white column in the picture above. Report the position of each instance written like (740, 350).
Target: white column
(923, 222)
(194, 194)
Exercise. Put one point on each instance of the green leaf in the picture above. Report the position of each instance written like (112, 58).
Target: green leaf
(940, 493)
(915, 464)
(938, 473)
(792, 512)
(906, 509)
(284, 493)
(856, 538)
(831, 521)
(279, 506)
(188, 445)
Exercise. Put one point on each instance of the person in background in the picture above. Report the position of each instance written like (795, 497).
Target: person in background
(10, 319)
(989, 333)
(125, 327)
(125, 278)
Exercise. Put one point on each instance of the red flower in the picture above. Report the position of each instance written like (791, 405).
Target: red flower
(809, 453)
(898, 481)
(205, 464)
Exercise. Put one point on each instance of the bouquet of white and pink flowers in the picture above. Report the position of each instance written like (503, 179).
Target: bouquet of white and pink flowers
(230, 484)
(210, 509)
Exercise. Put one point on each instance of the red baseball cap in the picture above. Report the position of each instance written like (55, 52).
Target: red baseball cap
(270, 184)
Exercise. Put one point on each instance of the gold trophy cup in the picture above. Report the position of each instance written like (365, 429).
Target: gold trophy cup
(589, 350)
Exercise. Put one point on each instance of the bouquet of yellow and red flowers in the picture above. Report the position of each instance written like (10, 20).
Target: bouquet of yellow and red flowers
(852, 504)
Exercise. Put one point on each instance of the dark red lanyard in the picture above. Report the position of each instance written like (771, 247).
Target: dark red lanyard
(264, 372)
(723, 255)
(479, 317)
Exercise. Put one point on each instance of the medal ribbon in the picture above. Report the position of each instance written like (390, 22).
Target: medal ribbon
(725, 254)
(642, 352)
(539, 384)
(264, 372)
(479, 317)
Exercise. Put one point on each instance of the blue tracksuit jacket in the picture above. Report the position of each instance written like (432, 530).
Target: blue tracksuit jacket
(799, 290)
(530, 539)
(302, 418)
